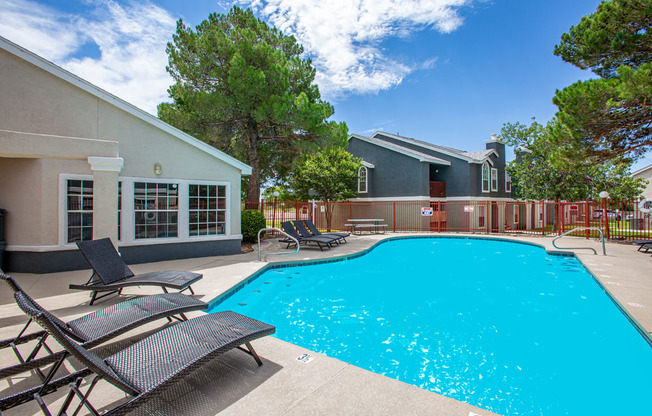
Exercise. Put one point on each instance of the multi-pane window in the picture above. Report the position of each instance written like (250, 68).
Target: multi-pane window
(494, 179)
(485, 177)
(79, 210)
(508, 183)
(207, 209)
(156, 210)
(362, 180)
(119, 210)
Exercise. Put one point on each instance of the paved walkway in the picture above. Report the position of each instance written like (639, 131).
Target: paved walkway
(235, 385)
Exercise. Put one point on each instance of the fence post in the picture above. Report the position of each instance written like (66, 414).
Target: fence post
(604, 215)
(487, 216)
(587, 223)
(543, 217)
(559, 221)
(296, 208)
(438, 216)
(394, 216)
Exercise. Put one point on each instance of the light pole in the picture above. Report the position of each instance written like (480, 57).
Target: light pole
(604, 195)
(276, 194)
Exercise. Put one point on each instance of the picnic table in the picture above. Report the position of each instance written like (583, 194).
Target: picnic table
(373, 225)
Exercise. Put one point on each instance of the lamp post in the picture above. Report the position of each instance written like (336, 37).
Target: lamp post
(276, 194)
(605, 195)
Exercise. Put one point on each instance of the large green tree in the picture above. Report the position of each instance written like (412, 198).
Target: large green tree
(608, 118)
(245, 88)
(536, 175)
(330, 176)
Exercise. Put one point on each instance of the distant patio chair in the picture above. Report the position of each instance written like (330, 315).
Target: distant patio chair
(313, 229)
(643, 244)
(111, 274)
(320, 241)
(145, 369)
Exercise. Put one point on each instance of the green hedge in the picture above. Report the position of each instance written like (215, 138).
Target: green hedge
(251, 222)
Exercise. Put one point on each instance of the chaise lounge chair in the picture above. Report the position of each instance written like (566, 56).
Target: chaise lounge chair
(321, 241)
(111, 274)
(145, 369)
(313, 229)
(643, 244)
(90, 330)
(303, 232)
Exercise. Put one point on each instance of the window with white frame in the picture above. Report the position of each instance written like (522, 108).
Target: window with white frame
(207, 210)
(494, 179)
(362, 180)
(79, 210)
(485, 177)
(515, 214)
(156, 210)
(508, 183)
(481, 213)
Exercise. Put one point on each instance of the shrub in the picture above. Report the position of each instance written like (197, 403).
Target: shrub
(251, 222)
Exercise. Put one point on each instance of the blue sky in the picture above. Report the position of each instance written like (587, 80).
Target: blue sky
(450, 72)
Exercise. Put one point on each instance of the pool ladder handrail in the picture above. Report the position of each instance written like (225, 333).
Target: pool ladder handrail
(278, 253)
(604, 249)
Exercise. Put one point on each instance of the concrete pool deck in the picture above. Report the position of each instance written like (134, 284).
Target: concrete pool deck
(235, 385)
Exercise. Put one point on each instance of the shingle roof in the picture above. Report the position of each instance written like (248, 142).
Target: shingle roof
(477, 156)
(422, 157)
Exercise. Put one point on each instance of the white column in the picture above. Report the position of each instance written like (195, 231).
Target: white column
(105, 196)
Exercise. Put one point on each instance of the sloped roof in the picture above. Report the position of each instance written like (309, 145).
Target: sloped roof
(421, 157)
(471, 157)
(98, 92)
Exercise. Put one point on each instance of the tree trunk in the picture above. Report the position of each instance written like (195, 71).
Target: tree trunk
(253, 186)
(328, 215)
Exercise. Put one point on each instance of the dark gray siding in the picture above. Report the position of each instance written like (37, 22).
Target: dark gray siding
(59, 261)
(456, 177)
(394, 174)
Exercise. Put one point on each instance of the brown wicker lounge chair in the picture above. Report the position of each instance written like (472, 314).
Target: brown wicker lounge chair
(145, 369)
(111, 274)
(90, 330)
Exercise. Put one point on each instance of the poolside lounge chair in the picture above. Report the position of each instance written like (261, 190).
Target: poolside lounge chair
(313, 229)
(643, 244)
(320, 241)
(303, 232)
(90, 330)
(145, 369)
(111, 274)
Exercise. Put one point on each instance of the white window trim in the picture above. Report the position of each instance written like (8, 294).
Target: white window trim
(508, 183)
(516, 214)
(494, 179)
(485, 168)
(128, 217)
(482, 214)
(366, 179)
(63, 206)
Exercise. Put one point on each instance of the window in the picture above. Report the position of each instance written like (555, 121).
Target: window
(515, 214)
(119, 210)
(207, 210)
(79, 210)
(362, 180)
(508, 183)
(494, 179)
(485, 177)
(481, 210)
(156, 210)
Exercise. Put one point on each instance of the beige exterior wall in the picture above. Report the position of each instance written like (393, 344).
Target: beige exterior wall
(647, 175)
(36, 101)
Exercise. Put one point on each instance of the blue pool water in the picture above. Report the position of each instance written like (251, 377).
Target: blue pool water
(499, 325)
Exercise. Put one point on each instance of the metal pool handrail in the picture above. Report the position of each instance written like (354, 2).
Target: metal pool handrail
(279, 253)
(604, 249)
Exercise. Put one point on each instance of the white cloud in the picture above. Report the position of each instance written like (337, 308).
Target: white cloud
(344, 37)
(131, 40)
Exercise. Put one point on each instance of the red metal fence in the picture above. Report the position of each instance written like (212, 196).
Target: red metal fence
(618, 220)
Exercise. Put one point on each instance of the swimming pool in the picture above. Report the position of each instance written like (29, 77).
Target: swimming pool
(500, 325)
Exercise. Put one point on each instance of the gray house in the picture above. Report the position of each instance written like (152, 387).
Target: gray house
(397, 168)
(401, 168)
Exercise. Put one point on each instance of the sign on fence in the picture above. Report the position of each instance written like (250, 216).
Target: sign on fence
(426, 211)
(468, 208)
